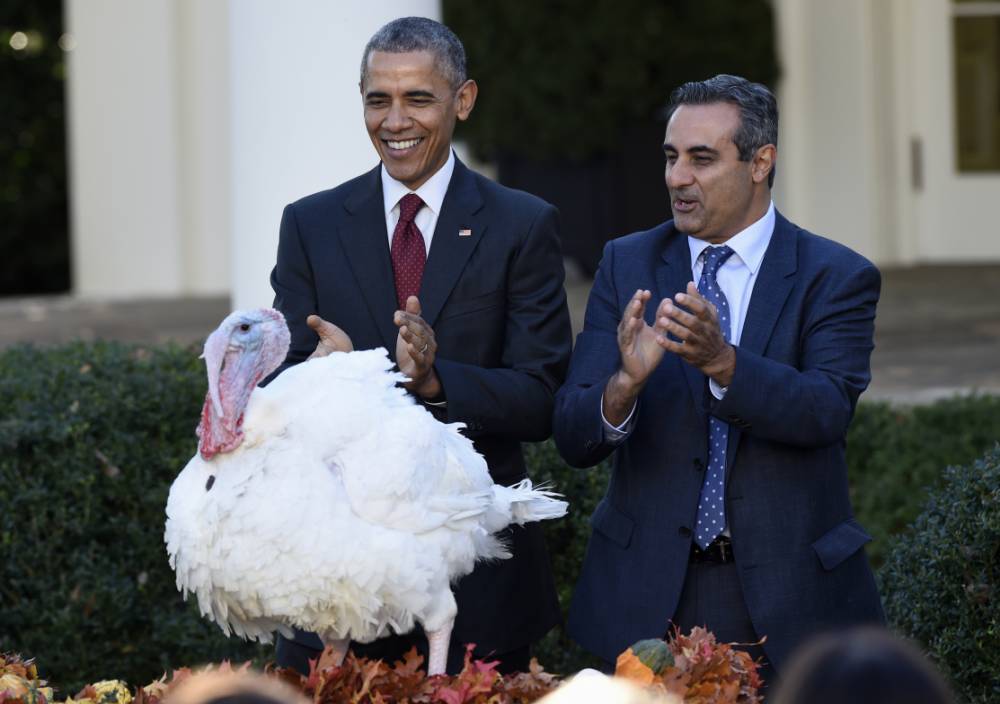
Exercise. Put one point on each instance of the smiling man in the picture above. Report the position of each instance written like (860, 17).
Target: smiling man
(461, 280)
(720, 362)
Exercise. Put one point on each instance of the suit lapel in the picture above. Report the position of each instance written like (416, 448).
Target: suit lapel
(774, 283)
(672, 279)
(460, 227)
(366, 244)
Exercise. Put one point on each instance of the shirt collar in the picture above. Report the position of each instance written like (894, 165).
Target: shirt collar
(748, 244)
(432, 192)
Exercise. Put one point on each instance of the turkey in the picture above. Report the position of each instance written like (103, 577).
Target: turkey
(330, 500)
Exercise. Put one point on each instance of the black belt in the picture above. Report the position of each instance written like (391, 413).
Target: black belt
(720, 550)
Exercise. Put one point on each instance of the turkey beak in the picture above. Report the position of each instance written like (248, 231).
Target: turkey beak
(214, 355)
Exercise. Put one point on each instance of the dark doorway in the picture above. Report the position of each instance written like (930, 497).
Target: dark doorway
(34, 210)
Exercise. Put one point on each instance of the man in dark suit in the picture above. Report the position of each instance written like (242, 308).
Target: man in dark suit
(725, 403)
(461, 280)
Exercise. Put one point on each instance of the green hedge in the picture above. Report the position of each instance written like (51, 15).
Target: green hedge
(942, 579)
(896, 454)
(91, 436)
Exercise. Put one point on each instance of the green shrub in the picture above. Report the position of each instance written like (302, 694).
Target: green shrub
(941, 580)
(91, 437)
(896, 454)
(567, 543)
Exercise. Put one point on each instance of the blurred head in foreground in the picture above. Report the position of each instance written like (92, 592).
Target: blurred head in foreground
(861, 666)
(593, 687)
(234, 688)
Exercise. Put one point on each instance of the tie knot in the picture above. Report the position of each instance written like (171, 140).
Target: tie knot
(715, 257)
(409, 206)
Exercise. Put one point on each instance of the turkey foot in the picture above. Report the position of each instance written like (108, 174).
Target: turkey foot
(437, 658)
(338, 649)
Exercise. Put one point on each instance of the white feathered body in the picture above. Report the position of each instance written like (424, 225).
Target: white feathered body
(348, 509)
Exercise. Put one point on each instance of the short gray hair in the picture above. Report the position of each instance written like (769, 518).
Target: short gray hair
(420, 34)
(757, 105)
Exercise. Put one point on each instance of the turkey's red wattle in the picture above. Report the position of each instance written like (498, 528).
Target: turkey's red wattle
(215, 435)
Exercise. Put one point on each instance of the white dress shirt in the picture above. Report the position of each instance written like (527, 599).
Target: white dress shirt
(432, 193)
(736, 278)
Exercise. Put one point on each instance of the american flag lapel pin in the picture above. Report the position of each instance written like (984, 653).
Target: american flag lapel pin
(465, 232)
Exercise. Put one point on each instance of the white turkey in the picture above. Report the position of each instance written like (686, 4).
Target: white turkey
(330, 500)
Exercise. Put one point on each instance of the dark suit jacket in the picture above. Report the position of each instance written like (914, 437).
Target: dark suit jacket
(496, 302)
(802, 361)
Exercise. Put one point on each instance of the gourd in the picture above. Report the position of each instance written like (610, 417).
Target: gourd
(654, 654)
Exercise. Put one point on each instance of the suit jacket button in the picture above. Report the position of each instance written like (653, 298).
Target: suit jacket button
(699, 466)
(589, 445)
(684, 532)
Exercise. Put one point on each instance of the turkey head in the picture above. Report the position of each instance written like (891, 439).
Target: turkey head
(245, 348)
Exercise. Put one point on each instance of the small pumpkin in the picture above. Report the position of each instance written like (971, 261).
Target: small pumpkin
(654, 654)
(644, 661)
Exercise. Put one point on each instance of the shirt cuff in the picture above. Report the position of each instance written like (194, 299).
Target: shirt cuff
(717, 390)
(614, 435)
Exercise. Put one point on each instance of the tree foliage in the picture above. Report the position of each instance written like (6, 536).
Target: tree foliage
(559, 79)
(33, 193)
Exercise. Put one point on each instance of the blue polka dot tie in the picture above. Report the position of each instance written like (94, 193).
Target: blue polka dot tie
(712, 504)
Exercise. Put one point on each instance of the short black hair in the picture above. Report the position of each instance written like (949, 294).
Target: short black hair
(863, 665)
(757, 105)
(420, 34)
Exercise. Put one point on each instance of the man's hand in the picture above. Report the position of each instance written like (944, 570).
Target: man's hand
(702, 343)
(331, 337)
(641, 352)
(416, 348)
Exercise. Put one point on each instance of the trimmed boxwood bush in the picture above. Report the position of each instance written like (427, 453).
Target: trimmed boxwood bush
(92, 435)
(896, 453)
(90, 438)
(942, 579)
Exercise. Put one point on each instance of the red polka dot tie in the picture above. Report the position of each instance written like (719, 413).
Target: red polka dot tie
(408, 250)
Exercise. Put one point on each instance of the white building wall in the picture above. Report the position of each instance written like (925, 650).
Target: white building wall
(866, 151)
(192, 124)
(829, 151)
(204, 146)
(123, 140)
(297, 123)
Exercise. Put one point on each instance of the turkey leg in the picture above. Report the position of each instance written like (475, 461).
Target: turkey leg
(437, 658)
(338, 649)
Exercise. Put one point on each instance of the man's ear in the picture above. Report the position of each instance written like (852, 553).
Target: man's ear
(763, 163)
(465, 99)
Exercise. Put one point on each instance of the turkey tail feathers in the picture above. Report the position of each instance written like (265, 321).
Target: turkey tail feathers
(527, 503)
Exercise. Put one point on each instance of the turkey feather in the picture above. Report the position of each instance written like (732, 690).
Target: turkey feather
(345, 509)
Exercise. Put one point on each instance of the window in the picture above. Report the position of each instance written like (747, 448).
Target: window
(977, 84)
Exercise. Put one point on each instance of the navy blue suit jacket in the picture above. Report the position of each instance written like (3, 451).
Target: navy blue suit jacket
(802, 361)
(495, 300)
